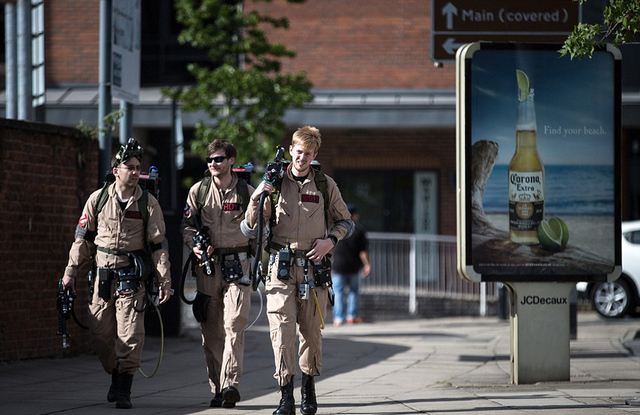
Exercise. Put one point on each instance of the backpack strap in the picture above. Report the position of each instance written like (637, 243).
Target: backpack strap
(203, 189)
(243, 193)
(143, 204)
(321, 183)
(102, 198)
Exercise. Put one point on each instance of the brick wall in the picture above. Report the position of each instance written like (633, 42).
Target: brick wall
(360, 44)
(355, 44)
(72, 41)
(46, 174)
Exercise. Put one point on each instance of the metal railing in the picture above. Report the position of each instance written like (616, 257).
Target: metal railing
(420, 266)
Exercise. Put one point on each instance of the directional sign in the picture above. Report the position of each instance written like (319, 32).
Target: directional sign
(456, 22)
(445, 46)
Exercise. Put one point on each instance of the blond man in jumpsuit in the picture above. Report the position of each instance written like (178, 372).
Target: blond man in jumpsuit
(115, 320)
(224, 316)
(301, 226)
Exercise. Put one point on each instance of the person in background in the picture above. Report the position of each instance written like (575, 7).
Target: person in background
(350, 265)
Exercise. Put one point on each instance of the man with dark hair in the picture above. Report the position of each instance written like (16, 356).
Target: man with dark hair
(350, 264)
(223, 299)
(117, 234)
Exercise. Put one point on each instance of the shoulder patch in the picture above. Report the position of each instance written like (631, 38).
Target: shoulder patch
(83, 220)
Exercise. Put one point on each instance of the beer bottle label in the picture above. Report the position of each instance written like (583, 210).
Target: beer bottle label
(526, 200)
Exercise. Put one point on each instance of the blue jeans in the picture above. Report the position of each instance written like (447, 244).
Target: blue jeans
(352, 282)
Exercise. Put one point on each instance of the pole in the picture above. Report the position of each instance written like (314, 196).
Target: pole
(23, 18)
(413, 276)
(173, 173)
(126, 123)
(104, 93)
(11, 44)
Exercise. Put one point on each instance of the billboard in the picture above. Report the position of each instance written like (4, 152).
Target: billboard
(538, 163)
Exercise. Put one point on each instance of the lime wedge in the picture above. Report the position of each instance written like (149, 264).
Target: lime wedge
(560, 229)
(523, 84)
(553, 234)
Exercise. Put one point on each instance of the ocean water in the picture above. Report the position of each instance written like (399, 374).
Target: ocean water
(569, 190)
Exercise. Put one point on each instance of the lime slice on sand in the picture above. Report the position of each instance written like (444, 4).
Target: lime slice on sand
(553, 234)
(523, 84)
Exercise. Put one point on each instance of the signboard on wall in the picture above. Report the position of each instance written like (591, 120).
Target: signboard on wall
(125, 50)
(538, 163)
(425, 206)
(457, 22)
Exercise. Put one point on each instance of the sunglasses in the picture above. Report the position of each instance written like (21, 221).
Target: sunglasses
(218, 159)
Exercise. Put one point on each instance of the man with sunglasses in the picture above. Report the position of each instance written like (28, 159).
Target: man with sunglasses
(304, 229)
(223, 298)
(115, 234)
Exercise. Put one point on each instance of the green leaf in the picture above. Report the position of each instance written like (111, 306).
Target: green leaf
(242, 88)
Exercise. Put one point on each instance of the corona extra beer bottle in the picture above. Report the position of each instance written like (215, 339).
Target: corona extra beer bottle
(526, 171)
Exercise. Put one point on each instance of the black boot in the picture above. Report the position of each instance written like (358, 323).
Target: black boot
(112, 396)
(230, 395)
(124, 390)
(287, 402)
(216, 402)
(308, 404)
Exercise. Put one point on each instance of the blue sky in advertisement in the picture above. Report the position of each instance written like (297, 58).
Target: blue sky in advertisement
(574, 101)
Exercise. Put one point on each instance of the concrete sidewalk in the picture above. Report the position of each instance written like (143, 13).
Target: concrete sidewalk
(428, 366)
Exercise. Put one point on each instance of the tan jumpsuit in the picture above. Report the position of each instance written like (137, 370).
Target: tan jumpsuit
(299, 221)
(117, 328)
(228, 309)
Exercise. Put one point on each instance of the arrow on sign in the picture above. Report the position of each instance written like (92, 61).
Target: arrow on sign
(449, 10)
(450, 46)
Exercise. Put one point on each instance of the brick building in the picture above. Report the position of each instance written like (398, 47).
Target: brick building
(385, 108)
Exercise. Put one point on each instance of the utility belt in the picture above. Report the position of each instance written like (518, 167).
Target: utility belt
(285, 258)
(127, 279)
(230, 260)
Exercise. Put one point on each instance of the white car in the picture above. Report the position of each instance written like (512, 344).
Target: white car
(620, 297)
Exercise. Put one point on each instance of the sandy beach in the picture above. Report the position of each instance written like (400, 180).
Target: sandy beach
(589, 233)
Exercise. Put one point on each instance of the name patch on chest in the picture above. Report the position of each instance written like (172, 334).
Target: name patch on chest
(230, 206)
(132, 214)
(311, 198)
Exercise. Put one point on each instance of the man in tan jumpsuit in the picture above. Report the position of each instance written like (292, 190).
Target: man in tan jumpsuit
(116, 236)
(224, 298)
(302, 229)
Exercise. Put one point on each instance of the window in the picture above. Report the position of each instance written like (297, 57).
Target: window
(384, 198)
(163, 59)
(633, 237)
